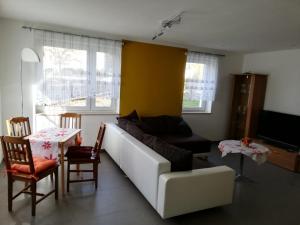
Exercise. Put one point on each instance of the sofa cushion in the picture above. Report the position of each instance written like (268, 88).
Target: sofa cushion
(79, 152)
(149, 140)
(194, 143)
(153, 125)
(134, 130)
(199, 163)
(165, 125)
(180, 159)
(40, 165)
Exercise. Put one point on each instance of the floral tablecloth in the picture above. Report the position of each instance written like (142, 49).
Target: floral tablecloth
(257, 152)
(45, 142)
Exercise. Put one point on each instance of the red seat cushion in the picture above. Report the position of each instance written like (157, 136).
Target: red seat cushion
(78, 140)
(79, 152)
(40, 165)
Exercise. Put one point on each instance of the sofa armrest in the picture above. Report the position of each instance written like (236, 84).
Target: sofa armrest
(190, 191)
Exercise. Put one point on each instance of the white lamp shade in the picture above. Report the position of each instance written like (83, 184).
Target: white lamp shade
(29, 55)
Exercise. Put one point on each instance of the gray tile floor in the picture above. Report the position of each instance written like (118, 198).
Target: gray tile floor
(273, 198)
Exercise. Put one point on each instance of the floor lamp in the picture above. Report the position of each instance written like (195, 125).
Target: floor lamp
(27, 55)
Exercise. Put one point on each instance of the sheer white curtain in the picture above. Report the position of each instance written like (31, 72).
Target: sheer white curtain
(108, 70)
(77, 70)
(201, 76)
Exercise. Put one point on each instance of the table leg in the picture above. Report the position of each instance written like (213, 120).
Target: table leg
(242, 165)
(77, 165)
(240, 176)
(62, 168)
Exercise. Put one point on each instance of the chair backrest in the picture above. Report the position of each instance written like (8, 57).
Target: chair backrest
(70, 120)
(17, 150)
(18, 127)
(100, 137)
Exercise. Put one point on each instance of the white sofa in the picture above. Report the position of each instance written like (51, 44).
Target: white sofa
(170, 193)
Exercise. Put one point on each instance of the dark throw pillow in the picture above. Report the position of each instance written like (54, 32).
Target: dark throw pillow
(181, 159)
(184, 129)
(122, 123)
(154, 125)
(172, 124)
(133, 116)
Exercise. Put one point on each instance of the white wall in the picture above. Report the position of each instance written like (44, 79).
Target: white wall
(13, 40)
(283, 87)
(1, 83)
(213, 126)
(1, 154)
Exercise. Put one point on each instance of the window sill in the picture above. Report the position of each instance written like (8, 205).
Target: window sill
(92, 113)
(53, 111)
(195, 112)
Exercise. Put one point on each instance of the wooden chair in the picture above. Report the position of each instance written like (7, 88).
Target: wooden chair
(21, 166)
(70, 120)
(18, 127)
(85, 155)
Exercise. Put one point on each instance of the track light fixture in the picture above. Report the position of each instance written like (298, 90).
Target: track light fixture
(167, 24)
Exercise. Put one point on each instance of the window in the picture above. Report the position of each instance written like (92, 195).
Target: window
(78, 73)
(65, 77)
(200, 82)
(106, 83)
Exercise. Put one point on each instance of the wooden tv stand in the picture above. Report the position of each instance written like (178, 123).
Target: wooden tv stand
(282, 157)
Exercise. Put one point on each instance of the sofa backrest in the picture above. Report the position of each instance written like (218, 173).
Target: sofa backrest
(140, 163)
(164, 124)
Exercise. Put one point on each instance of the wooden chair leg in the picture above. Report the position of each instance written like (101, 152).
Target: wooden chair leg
(68, 176)
(33, 197)
(10, 193)
(78, 168)
(56, 183)
(95, 168)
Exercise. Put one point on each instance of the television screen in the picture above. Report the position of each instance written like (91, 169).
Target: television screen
(280, 128)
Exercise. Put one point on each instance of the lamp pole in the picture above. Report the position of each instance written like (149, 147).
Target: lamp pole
(21, 83)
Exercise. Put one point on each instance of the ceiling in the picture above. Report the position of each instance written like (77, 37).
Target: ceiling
(230, 25)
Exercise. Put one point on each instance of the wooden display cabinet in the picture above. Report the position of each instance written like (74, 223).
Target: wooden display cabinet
(248, 101)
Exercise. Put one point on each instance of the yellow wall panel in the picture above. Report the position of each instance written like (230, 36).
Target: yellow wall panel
(152, 79)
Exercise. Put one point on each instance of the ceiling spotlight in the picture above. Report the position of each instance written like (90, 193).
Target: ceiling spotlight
(167, 24)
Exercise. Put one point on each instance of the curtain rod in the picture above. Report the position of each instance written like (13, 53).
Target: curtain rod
(59, 32)
(207, 53)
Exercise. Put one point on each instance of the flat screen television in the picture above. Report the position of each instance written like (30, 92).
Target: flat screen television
(280, 129)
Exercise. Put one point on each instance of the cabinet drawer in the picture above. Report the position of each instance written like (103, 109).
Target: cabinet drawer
(284, 159)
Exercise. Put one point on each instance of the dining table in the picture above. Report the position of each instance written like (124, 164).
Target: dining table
(50, 143)
(255, 151)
